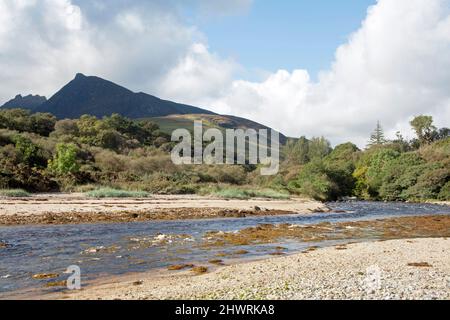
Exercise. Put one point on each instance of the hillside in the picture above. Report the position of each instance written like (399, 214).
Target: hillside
(169, 123)
(99, 97)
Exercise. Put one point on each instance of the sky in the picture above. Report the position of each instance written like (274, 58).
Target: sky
(313, 68)
(287, 34)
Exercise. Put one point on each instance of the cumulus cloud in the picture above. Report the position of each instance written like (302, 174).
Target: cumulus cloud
(198, 76)
(394, 67)
(44, 43)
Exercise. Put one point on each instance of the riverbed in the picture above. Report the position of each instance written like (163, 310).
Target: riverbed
(104, 250)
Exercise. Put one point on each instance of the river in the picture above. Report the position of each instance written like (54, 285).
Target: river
(114, 249)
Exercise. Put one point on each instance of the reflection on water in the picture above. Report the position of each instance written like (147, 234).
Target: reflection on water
(112, 249)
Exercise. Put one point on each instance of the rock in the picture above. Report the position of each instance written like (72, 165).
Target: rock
(42, 276)
(160, 237)
(93, 250)
(56, 284)
(199, 270)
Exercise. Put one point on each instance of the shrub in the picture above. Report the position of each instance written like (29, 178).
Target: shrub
(65, 159)
(29, 152)
(229, 192)
(170, 183)
(314, 181)
(429, 184)
(444, 194)
(115, 193)
(14, 193)
(233, 174)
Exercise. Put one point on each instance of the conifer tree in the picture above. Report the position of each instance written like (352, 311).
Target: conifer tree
(377, 136)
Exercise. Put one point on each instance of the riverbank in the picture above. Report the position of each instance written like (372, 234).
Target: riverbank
(76, 208)
(395, 269)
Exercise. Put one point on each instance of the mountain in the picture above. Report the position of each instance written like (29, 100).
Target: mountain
(99, 97)
(28, 102)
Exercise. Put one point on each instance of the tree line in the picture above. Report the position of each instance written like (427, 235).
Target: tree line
(40, 153)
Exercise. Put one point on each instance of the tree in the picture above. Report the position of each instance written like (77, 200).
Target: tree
(377, 136)
(423, 126)
(42, 123)
(401, 143)
(319, 148)
(297, 151)
(314, 181)
(443, 133)
(29, 152)
(66, 127)
(65, 159)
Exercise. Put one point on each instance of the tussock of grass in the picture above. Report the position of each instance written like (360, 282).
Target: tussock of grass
(14, 193)
(237, 193)
(115, 193)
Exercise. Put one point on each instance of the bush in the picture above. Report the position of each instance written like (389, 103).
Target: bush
(170, 183)
(14, 193)
(314, 181)
(429, 184)
(238, 193)
(29, 152)
(444, 195)
(115, 193)
(233, 174)
(65, 159)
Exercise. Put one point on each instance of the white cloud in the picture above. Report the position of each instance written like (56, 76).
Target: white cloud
(198, 77)
(43, 44)
(394, 67)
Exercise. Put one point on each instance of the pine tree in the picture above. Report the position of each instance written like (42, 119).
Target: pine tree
(377, 137)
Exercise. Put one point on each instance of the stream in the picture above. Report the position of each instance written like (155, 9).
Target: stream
(116, 249)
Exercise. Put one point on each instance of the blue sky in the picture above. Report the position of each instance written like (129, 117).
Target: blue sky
(288, 34)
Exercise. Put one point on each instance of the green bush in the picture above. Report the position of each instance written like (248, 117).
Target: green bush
(444, 194)
(65, 159)
(14, 193)
(115, 193)
(242, 193)
(314, 181)
(429, 184)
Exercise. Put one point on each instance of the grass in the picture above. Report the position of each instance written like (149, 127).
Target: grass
(14, 193)
(244, 194)
(115, 193)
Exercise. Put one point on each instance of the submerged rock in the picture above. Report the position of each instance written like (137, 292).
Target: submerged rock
(99, 249)
(42, 276)
(3, 245)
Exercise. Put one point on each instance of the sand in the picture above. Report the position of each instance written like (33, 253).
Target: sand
(75, 208)
(395, 269)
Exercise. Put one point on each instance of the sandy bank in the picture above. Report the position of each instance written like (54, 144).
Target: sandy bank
(396, 269)
(75, 208)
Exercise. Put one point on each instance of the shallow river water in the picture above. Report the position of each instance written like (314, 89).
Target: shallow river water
(115, 249)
